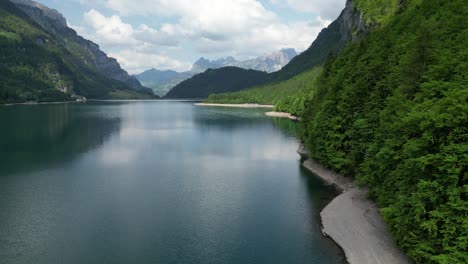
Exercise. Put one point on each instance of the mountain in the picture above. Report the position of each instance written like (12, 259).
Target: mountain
(270, 62)
(54, 23)
(203, 64)
(44, 60)
(288, 87)
(347, 27)
(226, 79)
(163, 81)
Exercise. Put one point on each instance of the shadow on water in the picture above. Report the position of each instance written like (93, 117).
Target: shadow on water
(320, 199)
(228, 118)
(289, 127)
(39, 136)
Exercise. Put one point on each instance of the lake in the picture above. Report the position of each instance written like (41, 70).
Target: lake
(156, 182)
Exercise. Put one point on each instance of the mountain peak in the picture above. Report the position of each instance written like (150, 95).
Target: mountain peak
(289, 52)
(51, 14)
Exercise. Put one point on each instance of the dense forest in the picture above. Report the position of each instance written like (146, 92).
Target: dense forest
(288, 96)
(391, 110)
(37, 66)
(223, 80)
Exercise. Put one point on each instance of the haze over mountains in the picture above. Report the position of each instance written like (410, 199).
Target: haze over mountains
(163, 81)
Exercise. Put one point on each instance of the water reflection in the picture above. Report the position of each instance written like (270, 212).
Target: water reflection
(39, 136)
(155, 182)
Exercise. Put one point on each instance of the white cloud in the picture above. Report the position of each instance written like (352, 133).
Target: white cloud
(137, 48)
(136, 61)
(109, 30)
(242, 28)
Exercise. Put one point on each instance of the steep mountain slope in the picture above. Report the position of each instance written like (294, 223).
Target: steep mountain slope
(227, 79)
(392, 111)
(55, 24)
(331, 40)
(39, 66)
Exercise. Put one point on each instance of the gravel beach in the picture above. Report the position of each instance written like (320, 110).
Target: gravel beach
(354, 222)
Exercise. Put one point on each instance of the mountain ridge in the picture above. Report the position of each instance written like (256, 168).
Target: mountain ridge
(214, 81)
(163, 81)
(40, 65)
(55, 23)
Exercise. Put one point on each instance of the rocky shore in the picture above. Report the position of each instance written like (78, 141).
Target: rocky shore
(283, 115)
(354, 222)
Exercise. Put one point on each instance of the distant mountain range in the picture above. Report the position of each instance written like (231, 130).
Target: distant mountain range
(163, 81)
(270, 62)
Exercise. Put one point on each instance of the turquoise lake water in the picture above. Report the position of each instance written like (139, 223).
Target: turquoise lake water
(156, 182)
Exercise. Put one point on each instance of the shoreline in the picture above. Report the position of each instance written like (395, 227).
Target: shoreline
(102, 100)
(283, 115)
(43, 103)
(353, 221)
(236, 105)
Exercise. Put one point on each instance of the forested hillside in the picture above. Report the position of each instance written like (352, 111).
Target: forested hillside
(392, 111)
(288, 96)
(38, 66)
(223, 80)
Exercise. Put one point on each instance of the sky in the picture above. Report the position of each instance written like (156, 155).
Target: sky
(172, 34)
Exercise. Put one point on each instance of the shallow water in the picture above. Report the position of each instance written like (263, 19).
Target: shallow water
(155, 182)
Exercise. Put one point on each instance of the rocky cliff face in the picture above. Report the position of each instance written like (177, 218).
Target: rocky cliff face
(203, 64)
(352, 23)
(349, 26)
(54, 23)
(44, 16)
(270, 62)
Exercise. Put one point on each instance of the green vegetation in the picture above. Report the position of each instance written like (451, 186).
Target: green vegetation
(330, 41)
(378, 11)
(36, 66)
(288, 96)
(392, 111)
(215, 81)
